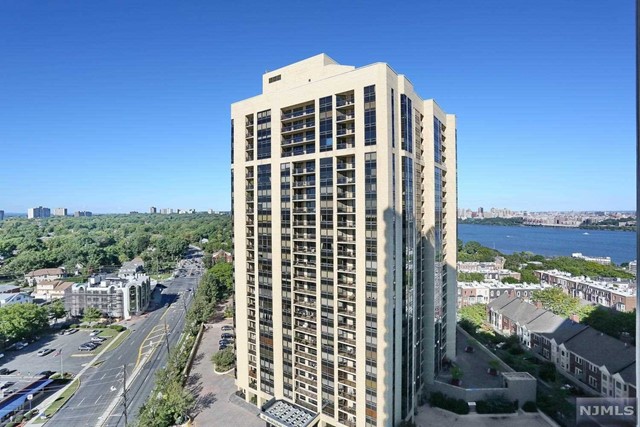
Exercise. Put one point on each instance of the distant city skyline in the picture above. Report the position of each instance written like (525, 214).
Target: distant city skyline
(118, 109)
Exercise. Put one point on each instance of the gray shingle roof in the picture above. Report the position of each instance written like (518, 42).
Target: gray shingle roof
(601, 349)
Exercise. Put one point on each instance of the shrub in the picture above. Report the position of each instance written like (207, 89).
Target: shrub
(497, 404)
(117, 328)
(74, 325)
(548, 372)
(530, 406)
(443, 401)
(224, 360)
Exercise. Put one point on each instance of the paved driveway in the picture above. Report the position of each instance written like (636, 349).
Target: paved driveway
(217, 403)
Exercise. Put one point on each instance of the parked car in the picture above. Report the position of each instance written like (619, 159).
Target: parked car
(72, 331)
(227, 336)
(6, 384)
(224, 342)
(45, 373)
(45, 351)
(227, 328)
(4, 371)
(95, 332)
(98, 339)
(21, 345)
(222, 347)
(1, 355)
(84, 347)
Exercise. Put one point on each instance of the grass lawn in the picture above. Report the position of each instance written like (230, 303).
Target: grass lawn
(60, 401)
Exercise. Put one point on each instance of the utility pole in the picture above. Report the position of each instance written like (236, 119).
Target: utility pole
(124, 393)
(166, 336)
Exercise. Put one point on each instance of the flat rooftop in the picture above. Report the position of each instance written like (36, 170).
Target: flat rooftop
(285, 414)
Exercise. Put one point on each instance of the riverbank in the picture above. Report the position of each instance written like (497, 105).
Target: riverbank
(552, 241)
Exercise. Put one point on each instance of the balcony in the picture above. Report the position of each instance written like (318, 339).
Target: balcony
(346, 340)
(307, 290)
(304, 196)
(304, 171)
(308, 304)
(347, 368)
(345, 117)
(304, 236)
(346, 195)
(313, 383)
(304, 183)
(346, 180)
(344, 102)
(309, 124)
(305, 330)
(347, 326)
(343, 406)
(345, 166)
(302, 223)
(351, 395)
(292, 114)
(346, 131)
(305, 368)
(348, 353)
(346, 296)
(307, 393)
(297, 140)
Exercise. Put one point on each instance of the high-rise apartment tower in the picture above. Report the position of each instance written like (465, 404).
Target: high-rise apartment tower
(344, 204)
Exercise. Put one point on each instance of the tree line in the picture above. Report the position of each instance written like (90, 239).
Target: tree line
(526, 263)
(170, 402)
(107, 240)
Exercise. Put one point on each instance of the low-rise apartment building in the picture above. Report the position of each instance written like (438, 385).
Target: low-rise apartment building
(10, 299)
(51, 289)
(37, 276)
(602, 363)
(619, 295)
(470, 293)
(221, 256)
(115, 297)
(131, 268)
(493, 270)
(604, 260)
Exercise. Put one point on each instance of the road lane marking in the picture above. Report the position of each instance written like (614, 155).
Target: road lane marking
(98, 399)
(142, 345)
(81, 401)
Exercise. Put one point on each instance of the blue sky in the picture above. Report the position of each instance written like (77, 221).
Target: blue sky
(118, 106)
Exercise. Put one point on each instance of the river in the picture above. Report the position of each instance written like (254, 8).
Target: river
(552, 241)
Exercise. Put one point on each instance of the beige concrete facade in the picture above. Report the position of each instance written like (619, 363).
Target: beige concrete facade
(336, 240)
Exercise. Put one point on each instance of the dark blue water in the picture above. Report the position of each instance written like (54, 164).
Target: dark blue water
(619, 245)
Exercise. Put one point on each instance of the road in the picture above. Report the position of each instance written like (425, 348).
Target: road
(102, 386)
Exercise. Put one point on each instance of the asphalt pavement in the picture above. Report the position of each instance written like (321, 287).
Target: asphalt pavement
(102, 386)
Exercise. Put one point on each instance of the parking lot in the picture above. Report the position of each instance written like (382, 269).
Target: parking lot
(217, 402)
(26, 363)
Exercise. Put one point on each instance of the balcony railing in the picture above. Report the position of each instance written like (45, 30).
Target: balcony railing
(298, 113)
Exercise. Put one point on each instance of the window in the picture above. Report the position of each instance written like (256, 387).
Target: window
(275, 78)
(370, 115)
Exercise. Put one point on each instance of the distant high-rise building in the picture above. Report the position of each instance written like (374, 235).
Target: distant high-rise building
(344, 204)
(38, 212)
(153, 210)
(60, 212)
(1, 215)
(82, 213)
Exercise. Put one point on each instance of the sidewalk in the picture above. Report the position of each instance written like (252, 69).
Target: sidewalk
(217, 403)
